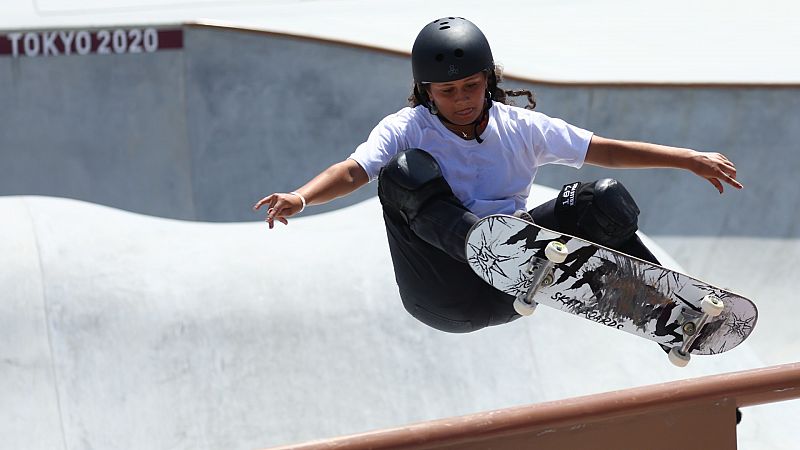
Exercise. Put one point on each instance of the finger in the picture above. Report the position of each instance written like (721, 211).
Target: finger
(734, 182)
(730, 178)
(278, 213)
(261, 202)
(271, 217)
(274, 210)
(730, 169)
(271, 221)
(732, 172)
(271, 199)
(727, 163)
(274, 213)
(716, 184)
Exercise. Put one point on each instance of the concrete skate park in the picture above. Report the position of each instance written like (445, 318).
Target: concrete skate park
(146, 306)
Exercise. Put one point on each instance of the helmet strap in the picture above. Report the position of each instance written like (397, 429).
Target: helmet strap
(480, 121)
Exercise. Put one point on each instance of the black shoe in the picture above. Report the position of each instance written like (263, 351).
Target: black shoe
(522, 214)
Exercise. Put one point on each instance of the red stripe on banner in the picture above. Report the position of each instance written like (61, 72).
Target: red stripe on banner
(5, 45)
(170, 39)
(84, 42)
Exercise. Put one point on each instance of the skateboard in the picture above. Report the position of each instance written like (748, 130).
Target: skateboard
(540, 266)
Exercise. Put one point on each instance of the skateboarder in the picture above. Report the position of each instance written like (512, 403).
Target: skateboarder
(458, 153)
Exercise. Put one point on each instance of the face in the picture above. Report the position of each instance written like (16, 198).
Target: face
(460, 101)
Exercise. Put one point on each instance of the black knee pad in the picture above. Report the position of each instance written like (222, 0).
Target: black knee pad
(409, 180)
(602, 211)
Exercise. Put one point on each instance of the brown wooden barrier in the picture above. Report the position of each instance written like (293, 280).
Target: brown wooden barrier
(694, 413)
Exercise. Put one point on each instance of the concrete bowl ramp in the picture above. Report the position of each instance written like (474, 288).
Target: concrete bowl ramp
(145, 306)
(130, 331)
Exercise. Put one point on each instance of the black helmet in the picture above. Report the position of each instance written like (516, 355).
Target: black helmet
(449, 49)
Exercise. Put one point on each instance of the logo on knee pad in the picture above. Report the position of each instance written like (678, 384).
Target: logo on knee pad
(568, 194)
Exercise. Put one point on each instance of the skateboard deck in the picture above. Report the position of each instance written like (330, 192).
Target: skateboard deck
(608, 287)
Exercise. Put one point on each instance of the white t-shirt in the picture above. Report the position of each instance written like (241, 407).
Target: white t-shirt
(493, 177)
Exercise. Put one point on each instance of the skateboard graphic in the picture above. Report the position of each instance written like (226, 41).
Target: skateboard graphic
(537, 265)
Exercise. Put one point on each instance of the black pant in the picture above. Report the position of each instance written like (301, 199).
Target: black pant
(439, 288)
(544, 215)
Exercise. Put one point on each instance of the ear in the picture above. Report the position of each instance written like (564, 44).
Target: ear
(491, 79)
(422, 93)
(423, 96)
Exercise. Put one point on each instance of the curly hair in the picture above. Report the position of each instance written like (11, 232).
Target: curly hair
(419, 96)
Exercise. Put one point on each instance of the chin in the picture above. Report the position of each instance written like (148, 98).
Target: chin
(460, 120)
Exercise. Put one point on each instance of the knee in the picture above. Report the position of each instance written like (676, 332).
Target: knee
(440, 321)
(602, 211)
(409, 180)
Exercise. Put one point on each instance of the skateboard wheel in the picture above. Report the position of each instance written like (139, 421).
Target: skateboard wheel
(522, 308)
(556, 252)
(712, 305)
(678, 358)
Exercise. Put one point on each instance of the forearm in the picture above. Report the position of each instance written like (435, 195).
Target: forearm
(336, 181)
(628, 154)
(714, 167)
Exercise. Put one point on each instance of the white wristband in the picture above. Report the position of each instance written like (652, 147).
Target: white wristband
(302, 199)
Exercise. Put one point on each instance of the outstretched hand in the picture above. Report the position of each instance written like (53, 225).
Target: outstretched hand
(715, 168)
(281, 206)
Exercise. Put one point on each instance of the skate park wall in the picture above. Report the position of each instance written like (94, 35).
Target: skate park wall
(130, 329)
(195, 133)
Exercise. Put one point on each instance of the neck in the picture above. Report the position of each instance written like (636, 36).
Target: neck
(468, 132)
(463, 131)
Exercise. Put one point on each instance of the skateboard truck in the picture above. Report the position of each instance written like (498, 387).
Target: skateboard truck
(712, 307)
(556, 253)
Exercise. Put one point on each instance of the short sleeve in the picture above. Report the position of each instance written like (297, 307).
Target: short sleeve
(558, 142)
(383, 143)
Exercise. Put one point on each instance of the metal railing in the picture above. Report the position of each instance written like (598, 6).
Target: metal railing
(692, 413)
